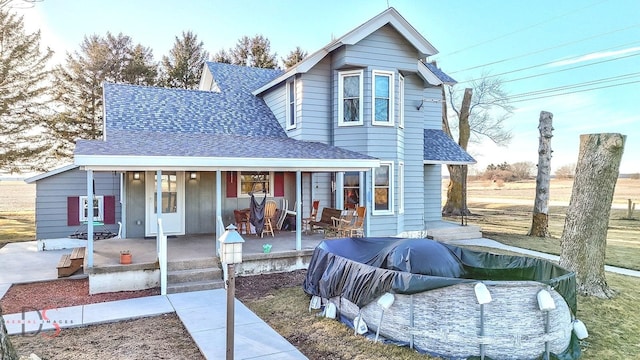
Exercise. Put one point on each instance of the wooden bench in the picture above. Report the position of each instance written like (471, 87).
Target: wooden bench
(325, 221)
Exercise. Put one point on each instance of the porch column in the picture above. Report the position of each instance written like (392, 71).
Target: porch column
(298, 210)
(340, 190)
(367, 199)
(158, 207)
(89, 218)
(219, 230)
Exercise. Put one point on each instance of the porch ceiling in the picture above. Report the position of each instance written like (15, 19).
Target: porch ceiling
(140, 150)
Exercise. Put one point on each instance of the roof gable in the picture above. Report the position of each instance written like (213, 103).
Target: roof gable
(233, 110)
(390, 16)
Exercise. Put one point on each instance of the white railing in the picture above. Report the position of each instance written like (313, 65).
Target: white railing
(162, 257)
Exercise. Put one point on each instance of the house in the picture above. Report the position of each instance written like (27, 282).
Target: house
(358, 121)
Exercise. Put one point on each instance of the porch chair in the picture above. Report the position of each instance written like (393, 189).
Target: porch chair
(269, 213)
(342, 226)
(357, 229)
(242, 221)
(306, 222)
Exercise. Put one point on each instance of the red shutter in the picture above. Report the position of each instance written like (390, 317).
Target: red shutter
(232, 184)
(278, 184)
(109, 209)
(73, 211)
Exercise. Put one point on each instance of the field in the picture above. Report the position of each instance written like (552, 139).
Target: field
(17, 211)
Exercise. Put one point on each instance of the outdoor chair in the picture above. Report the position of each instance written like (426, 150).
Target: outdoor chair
(269, 213)
(306, 222)
(357, 229)
(242, 221)
(342, 226)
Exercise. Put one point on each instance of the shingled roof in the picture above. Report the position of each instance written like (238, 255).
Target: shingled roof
(233, 110)
(439, 148)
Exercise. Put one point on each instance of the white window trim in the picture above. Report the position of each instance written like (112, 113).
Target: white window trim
(390, 74)
(83, 202)
(401, 187)
(239, 186)
(289, 115)
(341, 76)
(401, 101)
(391, 190)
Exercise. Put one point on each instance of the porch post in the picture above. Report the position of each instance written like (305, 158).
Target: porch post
(158, 207)
(367, 199)
(298, 210)
(219, 230)
(340, 190)
(89, 218)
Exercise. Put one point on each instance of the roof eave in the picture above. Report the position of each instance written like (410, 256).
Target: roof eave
(50, 173)
(432, 79)
(130, 162)
(448, 162)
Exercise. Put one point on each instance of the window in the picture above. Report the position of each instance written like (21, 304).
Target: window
(291, 104)
(350, 98)
(351, 189)
(401, 104)
(382, 90)
(98, 208)
(383, 188)
(169, 193)
(255, 181)
(401, 187)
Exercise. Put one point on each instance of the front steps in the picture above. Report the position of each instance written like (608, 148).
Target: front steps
(69, 264)
(194, 275)
(447, 231)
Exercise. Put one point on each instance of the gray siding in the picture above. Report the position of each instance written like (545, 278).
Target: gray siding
(432, 199)
(276, 100)
(51, 200)
(135, 203)
(315, 120)
(200, 203)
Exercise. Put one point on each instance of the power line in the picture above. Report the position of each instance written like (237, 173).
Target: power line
(573, 92)
(571, 68)
(545, 49)
(577, 85)
(523, 29)
(547, 63)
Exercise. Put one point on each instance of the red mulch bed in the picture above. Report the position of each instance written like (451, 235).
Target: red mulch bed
(60, 293)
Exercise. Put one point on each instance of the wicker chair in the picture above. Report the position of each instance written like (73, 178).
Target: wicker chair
(269, 213)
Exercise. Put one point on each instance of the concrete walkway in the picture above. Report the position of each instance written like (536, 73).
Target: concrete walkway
(203, 314)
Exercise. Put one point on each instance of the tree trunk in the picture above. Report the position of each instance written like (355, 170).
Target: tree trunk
(540, 222)
(456, 204)
(584, 238)
(7, 352)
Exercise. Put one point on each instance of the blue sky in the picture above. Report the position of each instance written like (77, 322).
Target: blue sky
(599, 38)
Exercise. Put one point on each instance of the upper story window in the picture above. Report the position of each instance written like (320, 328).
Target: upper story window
(98, 208)
(350, 96)
(382, 97)
(383, 189)
(255, 181)
(401, 101)
(291, 104)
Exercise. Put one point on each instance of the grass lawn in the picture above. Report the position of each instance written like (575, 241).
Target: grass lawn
(509, 225)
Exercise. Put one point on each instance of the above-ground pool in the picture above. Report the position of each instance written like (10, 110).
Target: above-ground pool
(435, 302)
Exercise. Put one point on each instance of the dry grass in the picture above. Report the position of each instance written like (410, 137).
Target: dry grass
(17, 211)
(614, 326)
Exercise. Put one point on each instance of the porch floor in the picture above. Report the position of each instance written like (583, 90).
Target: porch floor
(106, 253)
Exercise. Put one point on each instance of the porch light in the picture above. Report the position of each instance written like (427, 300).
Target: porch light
(231, 246)
(193, 175)
(230, 254)
(136, 176)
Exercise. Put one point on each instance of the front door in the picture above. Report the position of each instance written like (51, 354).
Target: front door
(172, 203)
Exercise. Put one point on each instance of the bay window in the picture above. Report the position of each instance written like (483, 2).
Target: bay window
(383, 189)
(382, 97)
(350, 96)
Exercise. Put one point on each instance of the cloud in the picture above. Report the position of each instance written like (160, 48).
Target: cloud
(594, 56)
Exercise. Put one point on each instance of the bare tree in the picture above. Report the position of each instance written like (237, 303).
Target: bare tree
(540, 222)
(584, 238)
(565, 171)
(482, 113)
(522, 169)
